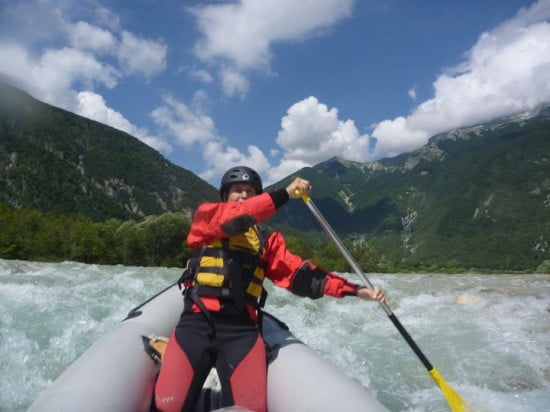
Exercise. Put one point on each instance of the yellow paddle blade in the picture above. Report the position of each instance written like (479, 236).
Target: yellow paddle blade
(455, 401)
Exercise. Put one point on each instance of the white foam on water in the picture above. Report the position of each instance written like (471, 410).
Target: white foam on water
(493, 348)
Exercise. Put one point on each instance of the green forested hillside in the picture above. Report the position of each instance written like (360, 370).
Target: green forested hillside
(55, 161)
(476, 197)
(155, 241)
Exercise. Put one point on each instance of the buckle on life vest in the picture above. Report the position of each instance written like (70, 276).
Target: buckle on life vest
(185, 279)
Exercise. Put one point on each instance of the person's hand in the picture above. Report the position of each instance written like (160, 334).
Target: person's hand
(298, 188)
(371, 294)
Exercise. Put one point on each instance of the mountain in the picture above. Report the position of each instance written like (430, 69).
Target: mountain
(472, 197)
(52, 160)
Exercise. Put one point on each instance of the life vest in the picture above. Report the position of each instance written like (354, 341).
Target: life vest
(230, 268)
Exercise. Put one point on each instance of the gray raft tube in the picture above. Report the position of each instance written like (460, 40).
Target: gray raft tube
(116, 374)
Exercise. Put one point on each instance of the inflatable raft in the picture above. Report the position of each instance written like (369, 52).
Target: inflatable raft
(117, 374)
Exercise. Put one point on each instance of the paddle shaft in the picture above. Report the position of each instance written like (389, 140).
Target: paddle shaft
(349, 258)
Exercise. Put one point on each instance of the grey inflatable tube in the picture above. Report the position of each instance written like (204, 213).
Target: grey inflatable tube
(116, 374)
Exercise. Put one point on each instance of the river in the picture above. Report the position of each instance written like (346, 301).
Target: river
(488, 335)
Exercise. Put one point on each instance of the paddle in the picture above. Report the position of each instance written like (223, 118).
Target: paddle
(455, 401)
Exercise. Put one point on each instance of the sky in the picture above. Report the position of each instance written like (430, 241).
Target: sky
(278, 85)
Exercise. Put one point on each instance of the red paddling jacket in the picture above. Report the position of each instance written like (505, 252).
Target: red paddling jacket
(225, 235)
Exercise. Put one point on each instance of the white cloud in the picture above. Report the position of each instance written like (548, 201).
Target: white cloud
(84, 36)
(412, 92)
(200, 101)
(16, 63)
(241, 34)
(93, 106)
(191, 126)
(507, 71)
(202, 76)
(74, 66)
(106, 17)
(188, 126)
(135, 54)
(141, 56)
(54, 77)
(30, 21)
(285, 168)
(311, 133)
(219, 157)
(66, 66)
(238, 37)
(233, 83)
(51, 77)
(395, 136)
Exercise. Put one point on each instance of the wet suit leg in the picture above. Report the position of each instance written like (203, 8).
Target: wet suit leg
(188, 359)
(237, 351)
(241, 362)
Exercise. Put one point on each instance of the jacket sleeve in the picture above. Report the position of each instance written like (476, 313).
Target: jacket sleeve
(302, 277)
(215, 220)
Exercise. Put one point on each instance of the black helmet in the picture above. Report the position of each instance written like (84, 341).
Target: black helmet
(240, 174)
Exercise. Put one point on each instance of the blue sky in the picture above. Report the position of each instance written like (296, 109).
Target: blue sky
(280, 84)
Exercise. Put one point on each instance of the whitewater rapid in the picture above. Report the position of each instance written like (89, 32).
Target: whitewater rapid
(488, 335)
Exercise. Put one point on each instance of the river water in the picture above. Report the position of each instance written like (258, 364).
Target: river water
(488, 335)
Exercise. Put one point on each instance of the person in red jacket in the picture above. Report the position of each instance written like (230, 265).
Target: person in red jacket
(223, 294)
